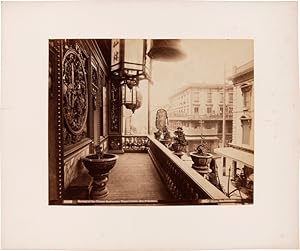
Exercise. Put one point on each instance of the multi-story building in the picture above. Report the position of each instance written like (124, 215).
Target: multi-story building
(198, 109)
(240, 155)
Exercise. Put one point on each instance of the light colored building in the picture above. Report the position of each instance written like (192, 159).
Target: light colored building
(239, 157)
(198, 109)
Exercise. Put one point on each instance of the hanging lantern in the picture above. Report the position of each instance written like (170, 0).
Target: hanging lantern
(129, 59)
(166, 50)
(131, 97)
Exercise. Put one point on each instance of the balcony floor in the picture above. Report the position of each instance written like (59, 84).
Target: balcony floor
(134, 177)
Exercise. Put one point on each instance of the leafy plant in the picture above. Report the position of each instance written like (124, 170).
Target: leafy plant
(99, 151)
(157, 134)
(163, 134)
(202, 148)
(166, 133)
(179, 137)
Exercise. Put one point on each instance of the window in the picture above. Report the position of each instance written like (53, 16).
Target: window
(221, 97)
(230, 110)
(246, 126)
(247, 97)
(208, 124)
(221, 109)
(208, 110)
(209, 97)
(196, 109)
(234, 168)
(230, 97)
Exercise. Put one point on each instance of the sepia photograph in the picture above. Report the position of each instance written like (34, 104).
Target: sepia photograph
(149, 125)
(151, 121)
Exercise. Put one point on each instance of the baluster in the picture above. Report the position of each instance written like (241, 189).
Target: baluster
(186, 190)
(135, 143)
(139, 142)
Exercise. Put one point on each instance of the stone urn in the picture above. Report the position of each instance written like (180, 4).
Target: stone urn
(178, 149)
(99, 167)
(201, 162)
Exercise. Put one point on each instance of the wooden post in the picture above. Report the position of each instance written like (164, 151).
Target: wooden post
(149, 109)
(224, 112)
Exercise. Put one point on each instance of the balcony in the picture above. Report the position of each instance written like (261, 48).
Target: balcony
(201, 117)
(149, 173)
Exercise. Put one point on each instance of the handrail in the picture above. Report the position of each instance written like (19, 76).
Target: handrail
(129, 143)
(182, 181)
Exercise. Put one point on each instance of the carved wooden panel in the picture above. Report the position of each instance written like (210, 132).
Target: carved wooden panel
(115, 143)
(75, 96)
(73, 84)
(96, 104)
(114, 109)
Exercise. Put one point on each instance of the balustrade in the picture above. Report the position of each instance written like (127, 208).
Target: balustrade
(129, 143)
(135, 143)
(184, 183)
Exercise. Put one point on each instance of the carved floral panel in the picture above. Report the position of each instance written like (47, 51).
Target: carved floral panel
(75, 96)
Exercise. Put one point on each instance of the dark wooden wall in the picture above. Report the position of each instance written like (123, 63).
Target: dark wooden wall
(79, 95)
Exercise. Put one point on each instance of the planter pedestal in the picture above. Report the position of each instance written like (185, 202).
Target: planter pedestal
(99, 169)
(201, 163)
(179, 154)
(202, 169)
(178, 149)
(99, 189)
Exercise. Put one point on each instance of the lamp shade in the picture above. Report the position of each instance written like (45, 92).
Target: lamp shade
(129, 59)
(166, 50)
(131, 97)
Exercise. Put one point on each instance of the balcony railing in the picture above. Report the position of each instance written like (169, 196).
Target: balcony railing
(200, 117)
(128, 143)
(183, 182)
(135, 143)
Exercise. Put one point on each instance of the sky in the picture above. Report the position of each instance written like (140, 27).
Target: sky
(205, 61)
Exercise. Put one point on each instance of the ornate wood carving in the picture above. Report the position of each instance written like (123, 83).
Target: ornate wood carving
(71, 87)
(94, 88)
(75, 96)
(115, 143)
(115, 109)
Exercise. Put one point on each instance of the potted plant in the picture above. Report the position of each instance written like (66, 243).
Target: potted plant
(201, 157)
(179, 142)
(157, 134)
(165, 137)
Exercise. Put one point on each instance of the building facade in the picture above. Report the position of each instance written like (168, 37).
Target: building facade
(198, 109)
(239, 157)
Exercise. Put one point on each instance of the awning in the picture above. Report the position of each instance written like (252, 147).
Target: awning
(203, 137)
(239, 155)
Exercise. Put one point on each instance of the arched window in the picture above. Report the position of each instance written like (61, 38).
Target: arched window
(246, 128)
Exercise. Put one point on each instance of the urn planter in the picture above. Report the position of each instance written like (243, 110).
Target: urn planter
(201, 162)
(99, 169)
(178, 149)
